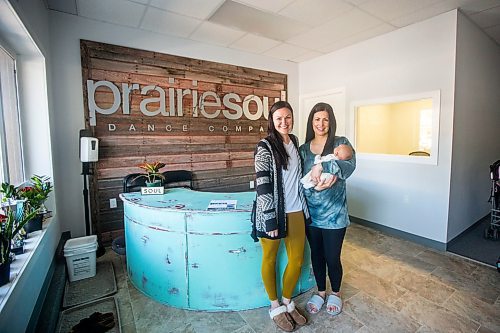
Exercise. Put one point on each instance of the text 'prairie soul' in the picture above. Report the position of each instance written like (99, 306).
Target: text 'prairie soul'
(208, 105)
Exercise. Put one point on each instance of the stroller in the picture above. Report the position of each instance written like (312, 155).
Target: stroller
(493, 231)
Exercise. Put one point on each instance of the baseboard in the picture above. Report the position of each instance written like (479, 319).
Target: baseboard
(400, 234)
(455, 239)
(46, 311)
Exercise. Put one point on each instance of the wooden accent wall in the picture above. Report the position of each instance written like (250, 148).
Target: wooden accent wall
(218, 150)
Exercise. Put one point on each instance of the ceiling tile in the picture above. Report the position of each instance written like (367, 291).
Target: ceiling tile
(212, 33)
(294, 30)
(351, 23)
(359, 37)
(337, 46)
(474, 6)
(113, 11)
(244, 18)
(254, 44)
(315, 12)
(168, 23)
(424, 13)
(65, 6)
(494, 32)
(144, 2)
(391, 9)
(356, 2)
(267, 5)
(307, 56)
(286, 51)
(200, 9)
(487, 18)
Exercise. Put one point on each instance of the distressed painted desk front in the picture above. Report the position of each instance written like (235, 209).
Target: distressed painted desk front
(183, 255)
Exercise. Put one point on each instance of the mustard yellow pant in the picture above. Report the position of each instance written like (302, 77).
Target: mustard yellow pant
(294, 243)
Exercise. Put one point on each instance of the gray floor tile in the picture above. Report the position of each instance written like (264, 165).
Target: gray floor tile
(389, 285)
(371, 284)
(466, 283)
(448, 261)
(485, 313)
(425, 286)
(324, 322)
(378, 316)
(434, 316)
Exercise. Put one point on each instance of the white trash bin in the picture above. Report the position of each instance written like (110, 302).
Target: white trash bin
(80, 254)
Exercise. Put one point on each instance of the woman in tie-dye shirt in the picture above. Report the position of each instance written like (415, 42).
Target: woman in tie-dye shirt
(327, 203)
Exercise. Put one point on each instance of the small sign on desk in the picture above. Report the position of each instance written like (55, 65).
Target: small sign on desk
(152, 190)
(222, 205)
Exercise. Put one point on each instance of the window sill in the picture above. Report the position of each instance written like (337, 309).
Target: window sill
(18, 266)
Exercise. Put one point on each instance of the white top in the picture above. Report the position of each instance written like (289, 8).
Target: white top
(291, 180)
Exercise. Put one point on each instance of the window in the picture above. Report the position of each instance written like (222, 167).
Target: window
(403, 128)
(425, 135)
(11, 159)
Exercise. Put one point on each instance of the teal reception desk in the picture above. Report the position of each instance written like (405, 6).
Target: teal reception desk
(183, 255)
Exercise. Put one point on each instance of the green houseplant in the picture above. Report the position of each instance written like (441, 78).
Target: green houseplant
(37, 193)
(153, 174)
(8, 192)
(35, 196)
(11, 222)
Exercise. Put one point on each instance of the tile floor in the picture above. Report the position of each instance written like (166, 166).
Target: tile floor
(389, 285)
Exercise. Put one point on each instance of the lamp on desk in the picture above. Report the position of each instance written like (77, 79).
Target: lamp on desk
(89, 153)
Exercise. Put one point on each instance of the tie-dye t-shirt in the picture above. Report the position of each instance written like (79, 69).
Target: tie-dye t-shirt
(328, 208)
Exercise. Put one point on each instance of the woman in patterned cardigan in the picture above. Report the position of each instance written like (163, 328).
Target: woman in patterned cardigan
(281, 212)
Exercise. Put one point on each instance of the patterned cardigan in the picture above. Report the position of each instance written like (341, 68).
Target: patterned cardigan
(269, 206)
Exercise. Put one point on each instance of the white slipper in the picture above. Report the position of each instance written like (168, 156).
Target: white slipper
(317, 301)
(334, 300)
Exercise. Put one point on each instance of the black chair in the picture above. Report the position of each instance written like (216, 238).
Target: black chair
(178, 178)
(133, 183)
(419, 153)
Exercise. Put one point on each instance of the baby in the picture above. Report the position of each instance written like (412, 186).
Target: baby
(341, 152)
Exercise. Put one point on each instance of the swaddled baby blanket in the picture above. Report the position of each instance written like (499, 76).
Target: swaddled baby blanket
(307, 181)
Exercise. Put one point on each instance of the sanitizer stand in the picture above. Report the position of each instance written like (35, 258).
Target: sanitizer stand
(88, 155)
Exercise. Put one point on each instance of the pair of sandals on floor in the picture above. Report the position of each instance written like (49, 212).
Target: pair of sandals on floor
(287, 317)
(333, 304)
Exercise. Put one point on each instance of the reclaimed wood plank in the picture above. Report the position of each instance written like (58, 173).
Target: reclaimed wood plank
(218, 151)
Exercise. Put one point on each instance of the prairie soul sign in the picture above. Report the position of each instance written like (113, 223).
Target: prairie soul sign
(169, 101)
(191, 114)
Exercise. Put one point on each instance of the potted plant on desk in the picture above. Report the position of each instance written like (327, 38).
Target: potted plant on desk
(153, 175)
(35, 196)
(12, 221)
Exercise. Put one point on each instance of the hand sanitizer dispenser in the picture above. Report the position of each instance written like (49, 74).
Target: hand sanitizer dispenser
(89, 149)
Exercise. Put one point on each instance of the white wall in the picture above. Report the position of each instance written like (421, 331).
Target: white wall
(66, 32)
(476, 141)
(419, 58)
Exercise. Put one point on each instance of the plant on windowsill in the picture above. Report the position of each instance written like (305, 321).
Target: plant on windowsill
(8, 192)
(11, 222)
(10, 197)
(35, 195)
(153, 175)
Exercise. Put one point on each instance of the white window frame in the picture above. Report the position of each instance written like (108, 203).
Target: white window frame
(14, 177)
(436, 109)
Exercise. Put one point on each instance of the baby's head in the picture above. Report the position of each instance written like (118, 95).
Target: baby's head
(343, 152)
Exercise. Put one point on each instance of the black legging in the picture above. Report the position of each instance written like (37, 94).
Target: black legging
(326, 246)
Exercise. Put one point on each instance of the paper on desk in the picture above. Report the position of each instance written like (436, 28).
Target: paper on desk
(222, 204)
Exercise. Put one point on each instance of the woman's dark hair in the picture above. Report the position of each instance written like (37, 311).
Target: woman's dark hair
(274, 137)
(328, 149)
